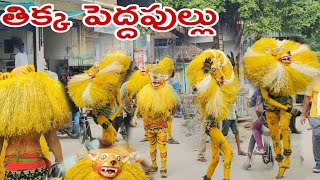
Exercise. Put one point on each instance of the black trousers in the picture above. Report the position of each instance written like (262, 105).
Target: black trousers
(118, 121)
(293, 124)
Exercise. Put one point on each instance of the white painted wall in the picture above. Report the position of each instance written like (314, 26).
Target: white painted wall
(100, 46)
(55, 44)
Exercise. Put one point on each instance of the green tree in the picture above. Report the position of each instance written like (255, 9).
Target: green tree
(261, 17)
(301, 17)
(217, 5)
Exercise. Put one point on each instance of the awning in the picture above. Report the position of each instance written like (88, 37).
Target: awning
(107, 30)
(26, 5)
(74, 13)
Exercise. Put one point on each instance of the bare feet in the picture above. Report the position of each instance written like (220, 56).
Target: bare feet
(172, 141)
(202, 159)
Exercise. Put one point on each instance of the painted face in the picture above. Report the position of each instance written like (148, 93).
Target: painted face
(158, 80)
(214, 67)
(143, 70)
(93, 71)
(108, 165)
(281, 54)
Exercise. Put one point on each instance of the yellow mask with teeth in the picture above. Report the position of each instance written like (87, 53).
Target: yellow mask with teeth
(143, 70)
(158, 80)
(107, 164)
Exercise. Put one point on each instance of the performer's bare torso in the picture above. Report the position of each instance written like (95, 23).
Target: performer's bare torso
(17, 146)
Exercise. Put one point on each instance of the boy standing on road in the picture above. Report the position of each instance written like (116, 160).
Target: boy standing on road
(232, 123)
(312, 95)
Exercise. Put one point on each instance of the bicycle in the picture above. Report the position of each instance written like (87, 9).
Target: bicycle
(70, 130)
(85, 130)
(267, 157)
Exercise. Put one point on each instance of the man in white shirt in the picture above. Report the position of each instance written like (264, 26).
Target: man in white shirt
(21, 58)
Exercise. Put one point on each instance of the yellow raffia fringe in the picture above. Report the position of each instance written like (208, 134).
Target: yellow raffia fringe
(108, 75)
(217, 99)
(136, 82)
(110, 134)
(165, 67)
(262, 67)
(31, 104)
(159, 100)
(194, 70)
(44, 147)
(117, 56)
(2, 157)
(94, 92)
(84, 170)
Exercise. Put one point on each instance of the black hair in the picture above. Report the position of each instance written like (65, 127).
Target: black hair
(172, 75)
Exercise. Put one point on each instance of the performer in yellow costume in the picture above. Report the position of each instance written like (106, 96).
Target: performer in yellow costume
(281, 69)
(99, 88)
(166, 67)
(154, 102)
(33, 107)
(212, 74)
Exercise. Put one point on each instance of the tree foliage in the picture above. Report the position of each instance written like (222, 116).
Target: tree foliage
(301, 17)
(217, 5)
(261, 17)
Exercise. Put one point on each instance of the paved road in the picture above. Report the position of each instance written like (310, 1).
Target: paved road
(182, 164)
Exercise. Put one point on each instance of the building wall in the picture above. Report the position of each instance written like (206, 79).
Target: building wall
(105, 43)
(27, 39)
(57, 43)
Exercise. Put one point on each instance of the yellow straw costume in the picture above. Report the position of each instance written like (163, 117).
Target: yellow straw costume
(154, 102)
(98, 88)
(212, 74)
(138, 79)
(166, 67)
(281, 69)
(32, 103)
